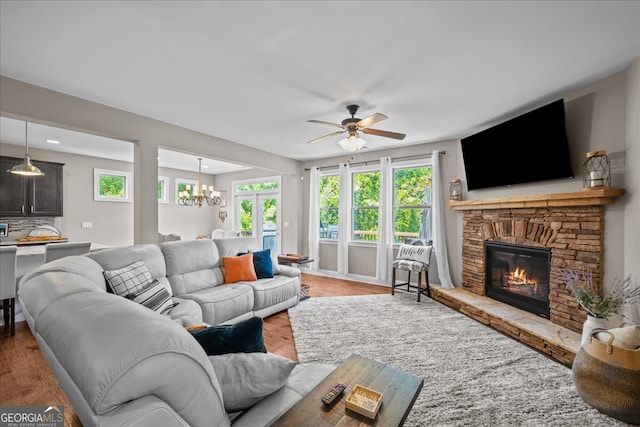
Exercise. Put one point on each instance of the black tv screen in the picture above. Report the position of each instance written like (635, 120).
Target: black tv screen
(529, 148)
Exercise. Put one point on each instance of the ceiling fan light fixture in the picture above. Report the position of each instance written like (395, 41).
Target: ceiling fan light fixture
(352, 143)
(26, 168)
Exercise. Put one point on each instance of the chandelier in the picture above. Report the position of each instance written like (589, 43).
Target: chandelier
(200, 194)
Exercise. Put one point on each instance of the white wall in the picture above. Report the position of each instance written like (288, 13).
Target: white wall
(362, 256)
(112, 222)
(23, 101)
(289, 209)
(186, 221)
(631, 233)
(603, 115)
(596, 118)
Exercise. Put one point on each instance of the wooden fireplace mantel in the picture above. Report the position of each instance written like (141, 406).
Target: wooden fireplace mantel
(587, 197)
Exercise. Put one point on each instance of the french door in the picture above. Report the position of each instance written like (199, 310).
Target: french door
(256, 215)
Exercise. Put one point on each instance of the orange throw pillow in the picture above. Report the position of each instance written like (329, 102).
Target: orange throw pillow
(239, 268)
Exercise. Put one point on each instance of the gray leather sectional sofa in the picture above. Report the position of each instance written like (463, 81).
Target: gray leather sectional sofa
(120, 363)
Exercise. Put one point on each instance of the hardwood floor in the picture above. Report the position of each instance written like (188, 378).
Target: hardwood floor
(26, 379)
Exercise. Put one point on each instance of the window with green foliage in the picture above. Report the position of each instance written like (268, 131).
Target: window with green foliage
(246, 217)
(365, 201)
(329, 206)
(183, 184)
(112, 186)
(163, 189)
(257, 186)
(412, 203)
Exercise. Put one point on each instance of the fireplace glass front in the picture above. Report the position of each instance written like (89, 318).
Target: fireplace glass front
(519, 276)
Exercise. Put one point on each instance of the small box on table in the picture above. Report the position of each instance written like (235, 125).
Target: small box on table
(364, 401)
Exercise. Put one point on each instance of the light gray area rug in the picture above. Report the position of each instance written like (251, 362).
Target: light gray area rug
(473, 375)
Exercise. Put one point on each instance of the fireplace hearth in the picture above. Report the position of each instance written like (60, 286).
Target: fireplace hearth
(518, 275)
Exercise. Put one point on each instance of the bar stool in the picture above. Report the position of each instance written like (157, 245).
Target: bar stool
(8, 285)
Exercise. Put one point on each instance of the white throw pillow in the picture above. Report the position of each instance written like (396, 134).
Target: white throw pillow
(247, 378)
(415, 253)
(129, 279)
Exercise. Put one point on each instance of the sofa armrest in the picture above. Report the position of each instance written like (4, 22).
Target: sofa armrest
(302, 380)
(146, 411)
(186, 312)
(289, 271)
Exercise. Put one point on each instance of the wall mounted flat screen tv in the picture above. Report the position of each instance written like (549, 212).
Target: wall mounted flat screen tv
(529, 148)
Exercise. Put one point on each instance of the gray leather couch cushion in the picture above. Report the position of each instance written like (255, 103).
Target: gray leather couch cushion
(118, 257)
(231, 246)
(302, 380)
(270, 292)
(224, 303)
(192, 265)
(64, 276)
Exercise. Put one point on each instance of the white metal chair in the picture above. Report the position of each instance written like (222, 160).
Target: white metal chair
(60, 250)
(8, 285)
(414, 255)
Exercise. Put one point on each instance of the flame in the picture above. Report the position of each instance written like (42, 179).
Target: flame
(519, 277)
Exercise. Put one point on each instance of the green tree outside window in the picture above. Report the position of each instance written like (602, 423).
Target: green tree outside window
(112, 186)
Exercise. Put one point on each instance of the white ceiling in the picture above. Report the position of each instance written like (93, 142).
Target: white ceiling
(255, 72)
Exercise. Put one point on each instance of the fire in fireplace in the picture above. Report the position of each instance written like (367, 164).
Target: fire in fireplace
(518, 275)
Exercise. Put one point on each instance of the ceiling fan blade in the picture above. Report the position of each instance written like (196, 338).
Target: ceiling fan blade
(384, 133)
(320, 122)
(322, 138)
(368, 121)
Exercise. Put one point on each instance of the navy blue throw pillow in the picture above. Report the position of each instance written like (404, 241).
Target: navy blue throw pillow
(262, 263)
(242, 337)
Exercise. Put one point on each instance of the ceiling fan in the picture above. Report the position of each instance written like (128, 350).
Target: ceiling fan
(353, 125)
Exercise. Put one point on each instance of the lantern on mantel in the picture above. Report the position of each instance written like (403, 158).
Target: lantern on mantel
(455, 189)
(597, 170)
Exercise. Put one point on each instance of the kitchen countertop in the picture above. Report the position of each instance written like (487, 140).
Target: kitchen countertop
(37, 242)
(39, 249)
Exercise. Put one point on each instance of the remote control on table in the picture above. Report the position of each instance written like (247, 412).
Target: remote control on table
(333, 394)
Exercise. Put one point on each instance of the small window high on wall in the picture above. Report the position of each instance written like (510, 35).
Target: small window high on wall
(111, 186)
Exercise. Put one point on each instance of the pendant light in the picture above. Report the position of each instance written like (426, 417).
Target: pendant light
(26, 168)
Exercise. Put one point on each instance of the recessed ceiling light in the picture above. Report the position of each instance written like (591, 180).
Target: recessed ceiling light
(205, 167)
(53, 141)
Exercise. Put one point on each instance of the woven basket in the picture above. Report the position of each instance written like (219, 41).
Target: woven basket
(607, 377)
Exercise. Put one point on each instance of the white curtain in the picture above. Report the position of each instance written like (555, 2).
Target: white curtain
(344, 221)
(385, 222)
(314, 218)
(438, 226)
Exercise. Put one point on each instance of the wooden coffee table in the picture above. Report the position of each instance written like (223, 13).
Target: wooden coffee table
(400, 391)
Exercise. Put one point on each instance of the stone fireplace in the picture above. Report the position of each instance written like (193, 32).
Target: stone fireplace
(566, 226)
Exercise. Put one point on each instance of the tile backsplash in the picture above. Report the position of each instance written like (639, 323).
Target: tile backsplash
(19, 226)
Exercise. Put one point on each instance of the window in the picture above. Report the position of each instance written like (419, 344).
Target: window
(256, 186)
(256, 209)
(365, 201)
(163, 189)
(329, 206)
(412, 203)
(111, 186)
(185, 185)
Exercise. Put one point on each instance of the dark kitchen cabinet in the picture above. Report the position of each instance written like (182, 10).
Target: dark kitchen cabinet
(30, 196)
